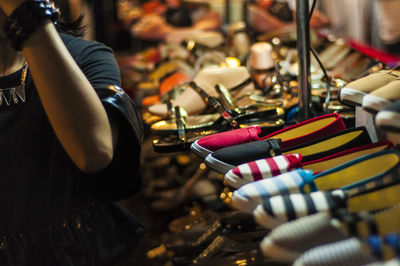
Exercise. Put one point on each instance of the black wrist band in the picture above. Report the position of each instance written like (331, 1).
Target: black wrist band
(26, 18)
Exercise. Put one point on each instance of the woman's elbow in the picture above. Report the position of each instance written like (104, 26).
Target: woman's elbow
(95, 161)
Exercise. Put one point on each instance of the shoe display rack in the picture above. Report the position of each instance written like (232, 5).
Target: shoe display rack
(303, 51)
(261, 159)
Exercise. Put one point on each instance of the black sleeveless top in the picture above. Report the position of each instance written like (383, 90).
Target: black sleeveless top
(52, 213)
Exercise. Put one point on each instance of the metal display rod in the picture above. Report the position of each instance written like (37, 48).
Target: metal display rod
(303, 50)
(227, 12)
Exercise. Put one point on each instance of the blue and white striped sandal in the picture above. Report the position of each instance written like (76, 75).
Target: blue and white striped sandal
(361, 174)
(281, 209)
(353, 251)
(288, 241)
(249, 196)
(349, 252)
(276, 165)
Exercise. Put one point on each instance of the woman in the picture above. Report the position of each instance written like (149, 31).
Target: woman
(70, 145)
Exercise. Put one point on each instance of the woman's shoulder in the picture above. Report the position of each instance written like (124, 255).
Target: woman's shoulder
(96, 60)
(78, 46)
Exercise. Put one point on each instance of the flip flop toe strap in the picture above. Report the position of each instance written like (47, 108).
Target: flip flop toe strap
(213, 101)
(180, 125)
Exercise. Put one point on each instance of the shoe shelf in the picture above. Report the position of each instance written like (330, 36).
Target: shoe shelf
(202, 88)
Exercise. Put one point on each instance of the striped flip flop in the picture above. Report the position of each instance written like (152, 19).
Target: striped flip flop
(281, 209)
(288, 241)
(273, 166)
(362, 174)
(347, 252)
(262, 169)
(353, 251)
(250, 195)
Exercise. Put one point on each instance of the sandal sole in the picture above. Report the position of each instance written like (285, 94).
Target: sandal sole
(239, 202)
(199, 150)
(271, 250)
(234, 180)
(218, 165)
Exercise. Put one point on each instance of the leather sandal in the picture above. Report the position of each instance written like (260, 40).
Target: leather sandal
(207, 78)
(227, 111)
(178, 137)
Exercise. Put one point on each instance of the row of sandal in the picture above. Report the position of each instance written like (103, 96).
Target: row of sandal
(317, 192)
(340, 208)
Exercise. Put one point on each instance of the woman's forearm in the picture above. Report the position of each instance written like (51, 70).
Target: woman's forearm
(71, 104)
(69, 100)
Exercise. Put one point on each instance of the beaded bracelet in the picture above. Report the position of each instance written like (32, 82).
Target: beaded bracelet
(26, 18)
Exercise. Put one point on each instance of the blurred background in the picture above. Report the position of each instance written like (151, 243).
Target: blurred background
(352, 38)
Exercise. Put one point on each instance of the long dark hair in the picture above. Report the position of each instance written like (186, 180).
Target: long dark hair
(75, 28)
(65, 24)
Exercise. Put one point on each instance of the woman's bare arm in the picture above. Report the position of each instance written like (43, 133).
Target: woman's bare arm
(71, 104)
